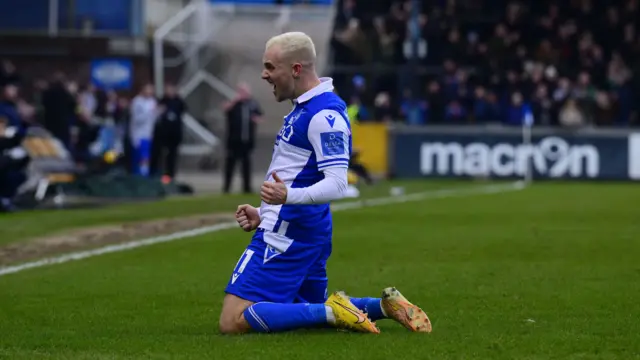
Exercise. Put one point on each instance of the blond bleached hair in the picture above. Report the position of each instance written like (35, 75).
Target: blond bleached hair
(295, 46)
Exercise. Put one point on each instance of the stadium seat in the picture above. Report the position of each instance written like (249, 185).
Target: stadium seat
(51, 164)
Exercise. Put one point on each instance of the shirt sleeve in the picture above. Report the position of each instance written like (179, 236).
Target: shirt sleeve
(332, 187)
(330, 137)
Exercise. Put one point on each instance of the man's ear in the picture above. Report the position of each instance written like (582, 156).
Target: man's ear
(296, 70)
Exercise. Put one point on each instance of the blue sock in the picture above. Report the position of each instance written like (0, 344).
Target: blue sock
(272, 317)
(371, 306)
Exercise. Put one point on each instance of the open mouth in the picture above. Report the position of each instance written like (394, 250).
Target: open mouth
(273, 86)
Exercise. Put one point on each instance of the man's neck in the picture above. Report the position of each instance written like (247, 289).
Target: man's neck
(307, 84)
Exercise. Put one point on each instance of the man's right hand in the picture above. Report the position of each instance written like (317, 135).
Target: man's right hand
(248, 217)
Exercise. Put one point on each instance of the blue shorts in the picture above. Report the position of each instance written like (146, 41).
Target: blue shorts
(142, 157)
(296, 275)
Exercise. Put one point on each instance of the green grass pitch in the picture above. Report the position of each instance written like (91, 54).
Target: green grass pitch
(550, 272)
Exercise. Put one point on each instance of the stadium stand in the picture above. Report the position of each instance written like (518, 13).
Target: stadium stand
(569, 64)
(483, 62)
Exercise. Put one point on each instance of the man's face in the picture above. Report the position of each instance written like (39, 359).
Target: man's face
(147, 90)
(279, 73)
(170, 91)
(11, 92)
(243, 91)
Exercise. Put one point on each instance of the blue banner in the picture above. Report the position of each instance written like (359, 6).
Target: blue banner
(112, 74)
(504, 155)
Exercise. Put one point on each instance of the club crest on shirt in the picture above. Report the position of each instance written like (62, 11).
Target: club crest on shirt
(287, 129)
(295, 117)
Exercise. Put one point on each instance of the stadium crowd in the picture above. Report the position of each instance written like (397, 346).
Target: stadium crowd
(566, 63)
(91, 126)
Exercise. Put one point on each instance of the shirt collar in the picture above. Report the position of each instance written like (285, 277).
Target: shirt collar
(326, 85)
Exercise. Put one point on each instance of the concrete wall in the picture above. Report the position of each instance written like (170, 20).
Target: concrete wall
(157, 12)
(240, 45)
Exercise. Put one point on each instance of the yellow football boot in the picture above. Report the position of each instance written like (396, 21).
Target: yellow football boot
(397, 307)
(349, 317)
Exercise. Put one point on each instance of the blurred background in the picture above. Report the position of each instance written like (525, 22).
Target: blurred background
(137, 99)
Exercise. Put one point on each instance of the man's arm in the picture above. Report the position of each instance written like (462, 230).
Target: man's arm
(227, 105)
(256, 113)
(330, 137)
(332, 187)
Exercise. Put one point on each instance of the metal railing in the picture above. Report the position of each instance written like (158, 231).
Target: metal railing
(198, 32)
(189, 44)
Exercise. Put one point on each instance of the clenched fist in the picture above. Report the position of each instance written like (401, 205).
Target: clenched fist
(248, 217)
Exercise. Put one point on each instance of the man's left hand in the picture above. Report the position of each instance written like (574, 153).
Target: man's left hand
(274, 193)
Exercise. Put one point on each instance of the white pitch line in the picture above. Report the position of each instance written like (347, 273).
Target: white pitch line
(351, 205)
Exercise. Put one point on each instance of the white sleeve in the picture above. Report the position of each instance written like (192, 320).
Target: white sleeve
(330, 136)
(332, 187)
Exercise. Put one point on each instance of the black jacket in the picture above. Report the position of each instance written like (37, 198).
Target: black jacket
(169, 124)
(7, 143)
(241, 129)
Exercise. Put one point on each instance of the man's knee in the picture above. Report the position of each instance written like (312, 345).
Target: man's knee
(230, 325)
(232, 319)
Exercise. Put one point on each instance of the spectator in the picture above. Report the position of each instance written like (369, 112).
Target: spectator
(436, 101)
(516, 110)
(357, 111)
(59, 109)
(571, 116)
(167, 135)
(8, 74)
(483, 110)
(104, 131)
(546, 52)
(414, 111)
(542, 106)
(9, 106)
(13, 160)
(605, 111)
(39, 88)
(121, 117)
(144, 112)
(562, 91)
(88, 101)
(383, 111)
(386, 38)
(360, 90)
(455, 113)
(243, 115)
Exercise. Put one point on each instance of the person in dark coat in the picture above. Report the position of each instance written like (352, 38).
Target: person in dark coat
(13, 160)
(168, 132)
(243, 115)
(59, 109)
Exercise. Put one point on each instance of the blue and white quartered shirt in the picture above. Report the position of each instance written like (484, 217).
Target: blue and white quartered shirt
(314, 144)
